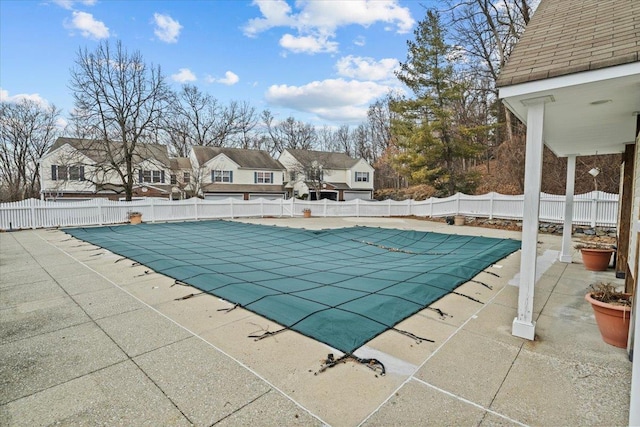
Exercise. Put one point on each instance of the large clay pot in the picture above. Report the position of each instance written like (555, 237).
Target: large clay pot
(613, 321)
(596, 259)
(458, 220)
(307, 213)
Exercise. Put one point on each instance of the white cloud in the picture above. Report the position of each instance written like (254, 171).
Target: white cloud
(167, 29)
(35, 97)
(320, 19)
(333, 99)
(364, 68)
(230, 78)
(184, 75)
(87, 25)
(360, 41)
(307, 44)
(68, 4)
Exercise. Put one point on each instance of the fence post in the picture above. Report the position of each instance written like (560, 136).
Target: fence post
(594, 209)
(261, 207)
(491, 198)
(293, 205)
(389, 207)
(99, 204)
(153, 210)
(324, 208)
(357, 208)
(33, 214)
(457, 203)
(231, 206)
(431, 207)
(195, 207)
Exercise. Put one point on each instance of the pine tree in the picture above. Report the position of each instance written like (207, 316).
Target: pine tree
(432, 143)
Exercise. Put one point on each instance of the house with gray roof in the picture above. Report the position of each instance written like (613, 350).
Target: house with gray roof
(327, 175)
(574, 80)
(220, 172)
(76, 168)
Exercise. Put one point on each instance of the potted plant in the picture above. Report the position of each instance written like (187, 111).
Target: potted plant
(135, 217)
(306, 212)
(596, 253)
(612, 310)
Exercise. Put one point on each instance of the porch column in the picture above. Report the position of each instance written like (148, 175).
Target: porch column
(565, 253)
(523, 325)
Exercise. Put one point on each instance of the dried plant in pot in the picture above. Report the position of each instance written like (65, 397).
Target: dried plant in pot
(612, 310)
(135, 217)
(596, 253)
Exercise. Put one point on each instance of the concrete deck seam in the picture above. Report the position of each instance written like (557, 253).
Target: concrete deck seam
(114, 341)
(505, 377)
(412, 376)
(241, 408)
(469, 402)
(189, 331)
(551, 292)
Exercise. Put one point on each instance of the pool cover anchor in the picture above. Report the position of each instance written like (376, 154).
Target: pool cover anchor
(413, 336)
(226, 310)
(442, 314)
(330, 362)
(266, 334)
(467, 296)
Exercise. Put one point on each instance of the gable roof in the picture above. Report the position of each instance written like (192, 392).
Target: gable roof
(571, 36)
(96, 150)
(328, 159)
(178, 163)
(245, 158)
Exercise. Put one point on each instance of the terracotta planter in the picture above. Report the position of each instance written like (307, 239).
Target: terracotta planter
(596, 259)
(458, 220)
(135, 218)
(307, 214)
(613, 321)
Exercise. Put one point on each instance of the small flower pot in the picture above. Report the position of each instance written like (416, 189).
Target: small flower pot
(596, 259)
(135, 218)
(613, 321)
(307, 213)
(458, 220)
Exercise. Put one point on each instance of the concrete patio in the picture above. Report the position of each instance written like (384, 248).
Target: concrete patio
(90, 339)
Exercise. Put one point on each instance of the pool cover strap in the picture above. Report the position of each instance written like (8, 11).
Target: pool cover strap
(342, 287)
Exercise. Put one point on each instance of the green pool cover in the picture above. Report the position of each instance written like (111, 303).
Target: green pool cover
(342, 287)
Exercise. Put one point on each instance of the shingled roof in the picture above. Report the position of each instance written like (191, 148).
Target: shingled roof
(328, 159)
(245, 158)
(572, 36)
(96, 150)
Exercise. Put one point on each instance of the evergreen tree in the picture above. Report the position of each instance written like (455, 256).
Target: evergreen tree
(432, 144)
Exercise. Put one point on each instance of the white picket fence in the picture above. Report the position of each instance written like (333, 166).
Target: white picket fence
(593, 209)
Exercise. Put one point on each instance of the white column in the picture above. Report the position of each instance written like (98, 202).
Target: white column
(523, 326)
(565, 253)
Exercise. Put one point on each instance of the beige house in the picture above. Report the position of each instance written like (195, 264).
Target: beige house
(326, 175)
(574, 79)
(219, 173)
(81, 168)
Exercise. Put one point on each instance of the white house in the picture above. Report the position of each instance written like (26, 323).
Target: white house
(245, 174)
(83, 168)
(334, 176)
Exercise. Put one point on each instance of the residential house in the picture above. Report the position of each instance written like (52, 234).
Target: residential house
(180, 178)
(574, 79)
(82, 168)
(326, 175)
(245, 174)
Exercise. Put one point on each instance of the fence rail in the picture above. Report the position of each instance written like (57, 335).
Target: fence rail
(594, 209)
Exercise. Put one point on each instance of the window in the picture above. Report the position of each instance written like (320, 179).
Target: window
(315, 174)
(187, 177)
(221, 176)
(362, 176)
(67, 173)
(263, 177)
(174, 179)
(150, 176)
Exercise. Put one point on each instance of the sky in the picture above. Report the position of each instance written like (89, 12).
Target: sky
(319, 61)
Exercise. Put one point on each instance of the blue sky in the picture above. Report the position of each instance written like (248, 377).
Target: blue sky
(323, 62)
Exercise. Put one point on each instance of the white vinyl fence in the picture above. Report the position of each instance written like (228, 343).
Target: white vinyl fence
(594, 209)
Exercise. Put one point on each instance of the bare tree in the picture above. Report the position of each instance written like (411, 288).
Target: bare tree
(119, 102)
(289, 133)
(310, 167)
(27, 130)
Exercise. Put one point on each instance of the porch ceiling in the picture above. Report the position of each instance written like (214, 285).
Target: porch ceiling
(575, 122)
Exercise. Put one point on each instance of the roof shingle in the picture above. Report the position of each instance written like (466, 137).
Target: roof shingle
(572, 36)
